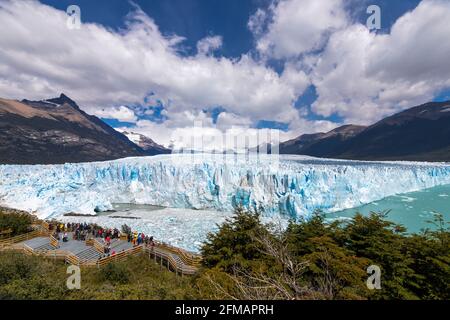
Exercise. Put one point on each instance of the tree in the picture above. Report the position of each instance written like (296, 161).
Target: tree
(17, 222)
(382, 242)
(233, 244)
(430, 255)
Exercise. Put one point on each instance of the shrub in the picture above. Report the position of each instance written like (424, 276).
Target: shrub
(18, 222)
(115, 273)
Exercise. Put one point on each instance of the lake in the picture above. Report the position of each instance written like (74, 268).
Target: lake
(411, 209)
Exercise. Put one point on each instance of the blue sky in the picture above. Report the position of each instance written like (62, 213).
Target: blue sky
(196, 19)
(192, 19)
(288, 65)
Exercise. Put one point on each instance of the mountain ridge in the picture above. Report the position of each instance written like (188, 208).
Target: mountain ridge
(57, 131)
(146, 143)
(421, 133)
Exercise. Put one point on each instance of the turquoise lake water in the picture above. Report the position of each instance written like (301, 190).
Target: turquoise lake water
(409, 209)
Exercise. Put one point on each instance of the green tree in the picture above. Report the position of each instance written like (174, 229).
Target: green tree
(18, 222)
(430, 255)
(382, 242)
(234, 245)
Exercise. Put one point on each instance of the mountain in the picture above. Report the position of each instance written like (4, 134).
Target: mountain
(421, 133)
(321, 144)
(148, 145)
(57, 131)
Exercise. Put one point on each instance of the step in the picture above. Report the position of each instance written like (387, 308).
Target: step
(37, 242)
(89, 254)
(45, 247)
(121, 245)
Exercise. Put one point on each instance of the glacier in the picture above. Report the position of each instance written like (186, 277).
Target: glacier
(285, 185)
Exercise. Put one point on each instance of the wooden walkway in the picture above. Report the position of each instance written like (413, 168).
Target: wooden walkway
(90, 253)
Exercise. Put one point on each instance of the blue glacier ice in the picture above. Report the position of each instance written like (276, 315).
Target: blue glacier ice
(288, 186)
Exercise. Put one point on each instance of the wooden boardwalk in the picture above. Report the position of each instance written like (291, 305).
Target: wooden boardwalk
(90, 253)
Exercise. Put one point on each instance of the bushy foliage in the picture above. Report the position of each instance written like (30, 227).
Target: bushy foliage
(115, 273)
(335, 257)
(24, 277)
(35, 278)
(247, 259)
(17, 222)
(233, 244)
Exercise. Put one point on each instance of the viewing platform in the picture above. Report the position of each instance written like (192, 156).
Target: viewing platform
(91, 252)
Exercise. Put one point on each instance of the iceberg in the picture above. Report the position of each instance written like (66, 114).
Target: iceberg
(286, 186)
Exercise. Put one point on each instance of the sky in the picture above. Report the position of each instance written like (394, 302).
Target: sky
(177, 68)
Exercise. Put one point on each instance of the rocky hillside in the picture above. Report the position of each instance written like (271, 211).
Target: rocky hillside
(421, 133)
(57, 131)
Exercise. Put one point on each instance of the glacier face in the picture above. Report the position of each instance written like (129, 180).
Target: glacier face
(294, 186)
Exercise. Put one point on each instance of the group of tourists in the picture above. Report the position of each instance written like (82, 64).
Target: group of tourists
(84, 231)
(138, 238)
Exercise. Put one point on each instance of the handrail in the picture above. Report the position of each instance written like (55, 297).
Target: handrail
(72, 259)
(54, 242)
(119, 256)
(6, 231)
(41, 225)
(22, 237)
(98, 246)
(45, 225)
(188, 262)
(183, 269)
(190, 259)
(28, 249)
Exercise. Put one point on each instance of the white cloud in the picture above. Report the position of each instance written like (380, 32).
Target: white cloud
(227, 120)
(297, 26)
(121, 113)
(359, 75)
(189, 124)
(209, 44)
(363, 76)
(102, 68)
(257, 21)
(212, 137)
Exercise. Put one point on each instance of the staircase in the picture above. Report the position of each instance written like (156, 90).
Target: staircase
(44, 248)
(119, 246)
(89, 255)
(180, 263)
(39, 243)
